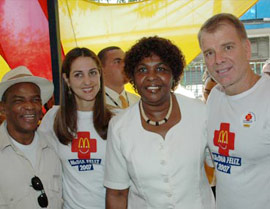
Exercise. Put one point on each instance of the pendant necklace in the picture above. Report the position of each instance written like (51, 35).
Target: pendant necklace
(156, 123)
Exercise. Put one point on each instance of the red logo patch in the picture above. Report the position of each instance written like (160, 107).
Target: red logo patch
(248, 117)
(84, 145)
(224, 139)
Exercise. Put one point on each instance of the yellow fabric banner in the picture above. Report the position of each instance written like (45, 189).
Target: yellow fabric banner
(94, 25)
(4, 68)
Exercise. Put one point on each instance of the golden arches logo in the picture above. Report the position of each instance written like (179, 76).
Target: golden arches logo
(223, 137)
(83, 142)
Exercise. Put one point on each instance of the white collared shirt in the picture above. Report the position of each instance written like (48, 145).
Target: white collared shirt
(17, 171)
(160, 173)
(112, 97)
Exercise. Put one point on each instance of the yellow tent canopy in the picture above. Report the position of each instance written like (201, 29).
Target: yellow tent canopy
(95, 25)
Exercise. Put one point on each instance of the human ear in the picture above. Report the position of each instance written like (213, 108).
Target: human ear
(66, 79)
(2, 108)
(247, 46)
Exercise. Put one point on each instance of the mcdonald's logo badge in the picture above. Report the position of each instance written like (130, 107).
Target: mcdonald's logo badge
(224, 139)
(84, 145)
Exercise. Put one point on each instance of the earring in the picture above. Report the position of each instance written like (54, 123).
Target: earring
(69, 91)
(173, 83)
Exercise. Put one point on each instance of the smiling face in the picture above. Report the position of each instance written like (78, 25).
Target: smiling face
(227, 57)
(153, 80)
(84, 80)
(22, 107)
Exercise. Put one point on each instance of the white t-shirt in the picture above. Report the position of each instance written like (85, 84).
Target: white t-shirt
(239, 138)
(30, 151)
(82, 162)
(160, 173)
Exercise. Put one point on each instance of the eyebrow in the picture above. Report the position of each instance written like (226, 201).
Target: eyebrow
(23, 97)
(116, 59)
(79, 71)
(159, 63)
(17, 97)
(228, 43)
(207, 50)
(224, 44)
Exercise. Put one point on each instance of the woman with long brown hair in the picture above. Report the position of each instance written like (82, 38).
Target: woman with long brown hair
(78, 129)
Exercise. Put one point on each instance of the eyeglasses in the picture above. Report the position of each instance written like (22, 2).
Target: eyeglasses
(38, 186)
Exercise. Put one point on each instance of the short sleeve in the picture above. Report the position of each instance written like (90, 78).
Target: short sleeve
(46, 126)
(116, 171)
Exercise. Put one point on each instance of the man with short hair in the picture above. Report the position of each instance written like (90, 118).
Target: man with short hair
(112, 60)
(30, 175)
(238, 116)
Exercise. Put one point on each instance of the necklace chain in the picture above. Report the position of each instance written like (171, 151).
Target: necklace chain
(156, 123)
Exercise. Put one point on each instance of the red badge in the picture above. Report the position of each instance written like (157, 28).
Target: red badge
(84, 145)
(224, 139)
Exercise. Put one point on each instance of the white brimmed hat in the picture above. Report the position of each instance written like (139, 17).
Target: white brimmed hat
(21, 75)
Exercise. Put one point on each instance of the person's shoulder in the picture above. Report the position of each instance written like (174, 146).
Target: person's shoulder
(51, 113)
(53, 110)
(188, 100)
(124, 116)
(133, 95)
(192, 106)
(266, 78)
(133, 98)
(4, 135)
(47, 140)
(216, 92)
(44, 138)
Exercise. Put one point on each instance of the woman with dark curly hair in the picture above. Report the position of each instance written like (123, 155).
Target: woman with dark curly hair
(156, 148)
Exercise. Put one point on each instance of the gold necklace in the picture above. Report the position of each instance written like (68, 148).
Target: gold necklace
(157, 123)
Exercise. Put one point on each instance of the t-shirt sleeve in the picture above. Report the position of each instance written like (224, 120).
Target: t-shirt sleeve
(116, 171)
(207, 154)
(46, 126)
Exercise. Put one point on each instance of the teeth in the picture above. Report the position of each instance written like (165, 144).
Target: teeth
(222, 71)
(29, 116)
(87, 89)
(153, 87)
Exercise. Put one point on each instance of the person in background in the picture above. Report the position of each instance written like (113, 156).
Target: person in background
(31, 174)
(112, 60)
(78, 128)
(266, 67)
(209, 83)
(156, 148)
(238, 116)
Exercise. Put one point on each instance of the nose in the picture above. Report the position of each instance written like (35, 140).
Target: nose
(28, 105)
(219, 57)
(87, 80)
(151, 75)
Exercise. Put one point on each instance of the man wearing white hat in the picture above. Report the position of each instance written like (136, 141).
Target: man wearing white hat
(30, 175)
